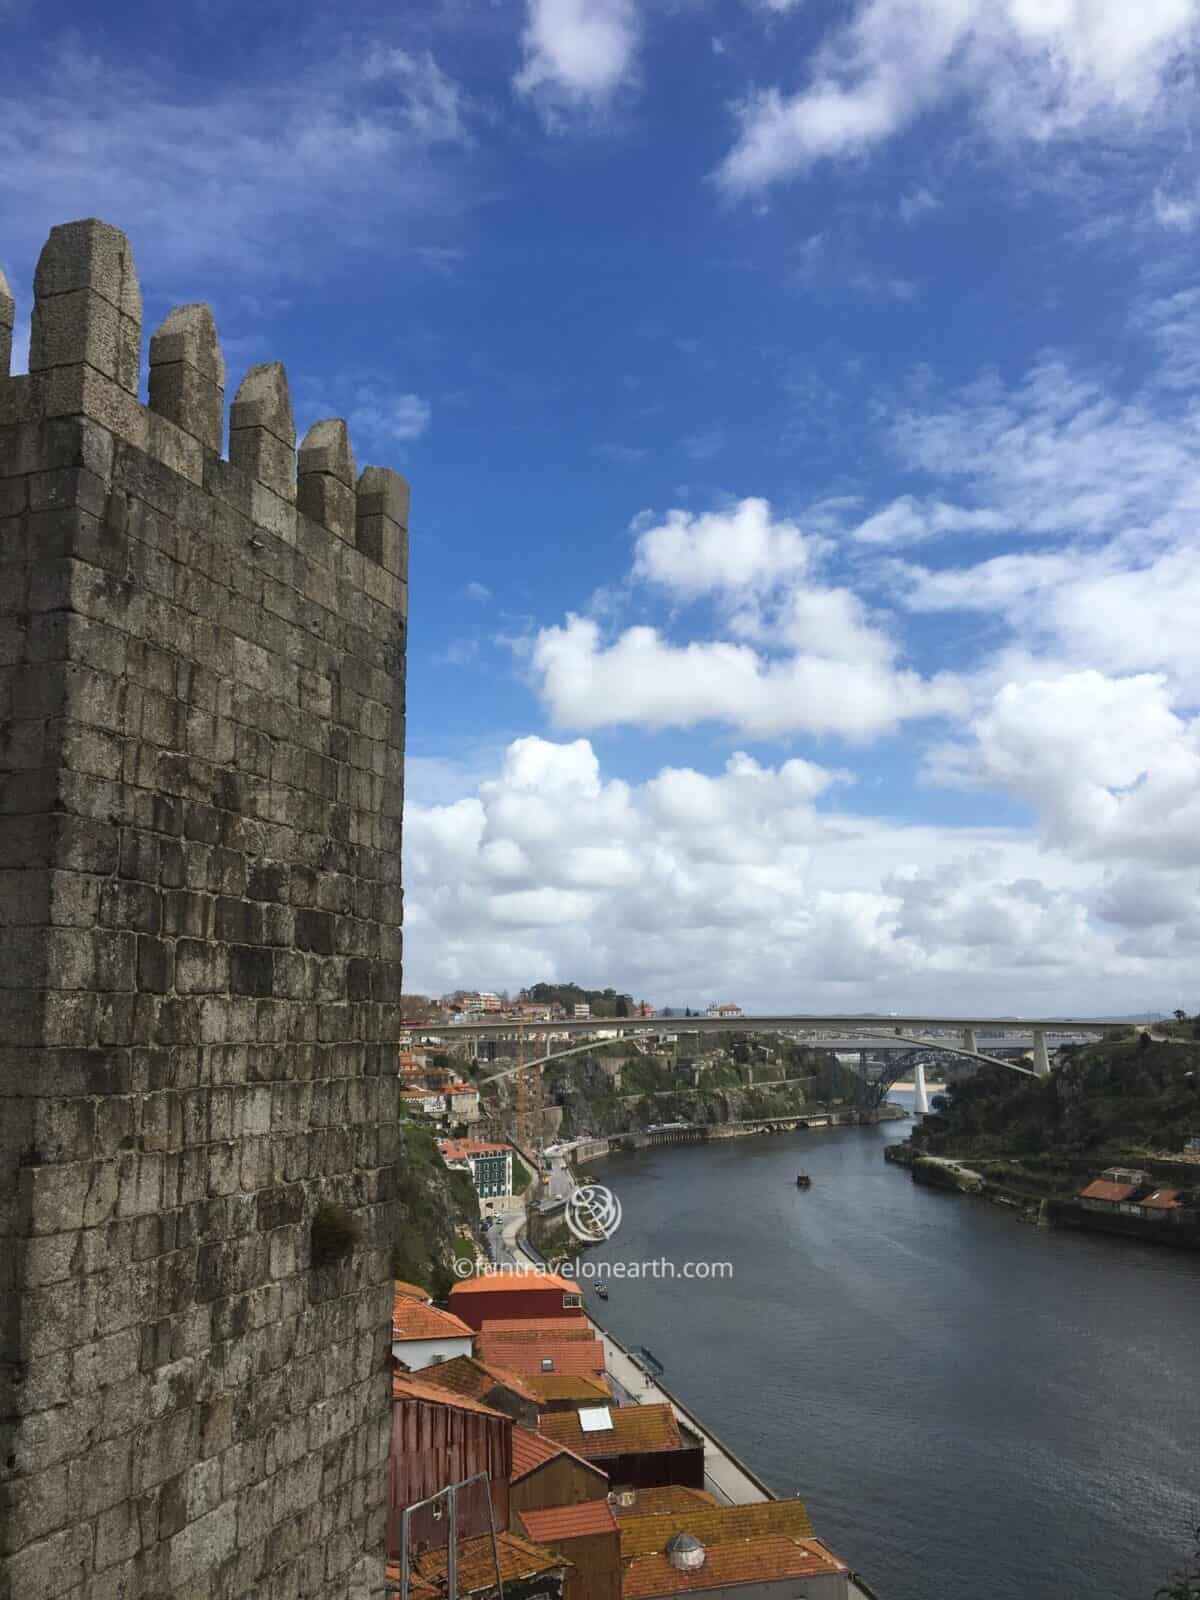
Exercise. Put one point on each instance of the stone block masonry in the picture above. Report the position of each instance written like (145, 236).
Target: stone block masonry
(201, 785)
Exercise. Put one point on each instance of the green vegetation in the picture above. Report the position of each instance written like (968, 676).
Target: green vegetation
(522, 1177)
(1128, 1100)
(437, 1208)
(335, 1232)
(709, 1078)
(464, 1247)
(603, 1002)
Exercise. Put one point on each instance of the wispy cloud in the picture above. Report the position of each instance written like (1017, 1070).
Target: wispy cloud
(263, 179)
(1028, 71)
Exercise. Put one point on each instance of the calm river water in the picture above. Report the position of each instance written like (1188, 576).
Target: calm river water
(974, 1409)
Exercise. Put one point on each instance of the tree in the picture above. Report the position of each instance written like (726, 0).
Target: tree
(622, 1006)
(1180, 1014)
(1184, 1585)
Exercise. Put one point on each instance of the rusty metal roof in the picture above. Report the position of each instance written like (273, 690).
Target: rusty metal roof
(409, 1386)
(465, 1375)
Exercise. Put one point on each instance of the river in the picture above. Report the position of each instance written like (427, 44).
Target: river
(974, 1409)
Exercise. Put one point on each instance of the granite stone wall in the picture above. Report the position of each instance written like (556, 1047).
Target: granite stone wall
(201, 781)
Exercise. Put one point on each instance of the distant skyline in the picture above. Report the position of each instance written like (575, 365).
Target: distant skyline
(800, 402)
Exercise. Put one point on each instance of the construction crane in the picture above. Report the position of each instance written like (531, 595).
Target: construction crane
(521, 1092)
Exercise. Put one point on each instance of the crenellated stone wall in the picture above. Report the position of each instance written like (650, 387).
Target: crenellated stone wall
(201, 783)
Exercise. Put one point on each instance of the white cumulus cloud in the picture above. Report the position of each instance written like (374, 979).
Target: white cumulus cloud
(1033, 69)
(577, 55)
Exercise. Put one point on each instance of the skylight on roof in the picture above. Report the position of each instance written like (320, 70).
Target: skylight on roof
(595, 1419)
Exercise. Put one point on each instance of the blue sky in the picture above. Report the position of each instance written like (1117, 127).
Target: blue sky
(799, 400)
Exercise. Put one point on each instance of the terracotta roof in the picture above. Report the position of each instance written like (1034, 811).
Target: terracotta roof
(531, 1450)
(522, 1329)
(460, 1149)
(669, 1500)
(519, 1558)
(747, 1561)
(716, 1525)
(407, 1386)
(1163, 1199)
(510, 1282)
(584, 1389)
(576, 1356)
(465, 1375)
(409, 1291)
(570, 1522)
(1101, 1189)
(417, 1319)
(635, 1429)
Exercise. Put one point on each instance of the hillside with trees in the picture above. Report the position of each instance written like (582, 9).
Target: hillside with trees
(1125, 1101)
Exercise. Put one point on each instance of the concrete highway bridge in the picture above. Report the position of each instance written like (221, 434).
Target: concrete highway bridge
(843, 1031)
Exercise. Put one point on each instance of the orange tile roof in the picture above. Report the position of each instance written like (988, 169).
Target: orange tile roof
(578, 1356)
(580, 1521)
(409, 1291)
(460, 1149)
(1102, 1189)
(748, 1561)
(532, 1450)
(669, 1500)
(1163, 1199)
(635, 1430)
(417, 1319)
(585, 1390)
(716, 1525)
(523, 1329)
(510, 1282)
(407, 1386)
(519, 1558)
(465, 1375)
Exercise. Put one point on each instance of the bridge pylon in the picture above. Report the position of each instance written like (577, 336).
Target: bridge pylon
(920, 1092)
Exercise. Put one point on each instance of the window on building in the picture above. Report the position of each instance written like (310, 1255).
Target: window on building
(570, 1301)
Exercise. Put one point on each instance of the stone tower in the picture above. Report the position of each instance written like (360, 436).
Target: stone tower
(201, 781)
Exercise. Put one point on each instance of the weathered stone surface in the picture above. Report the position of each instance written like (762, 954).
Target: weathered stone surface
(262, 430)
(8, 313)
(87, 307)
(201, 734)
(187, 374)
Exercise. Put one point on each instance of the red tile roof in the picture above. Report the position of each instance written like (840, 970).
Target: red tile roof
(460, 1149)
(417, 1319)
(577, 1356)
(409, 1291)
(407, 1386)
(583, 1390)
(748, 1561)
(525, 1328)
(716, 1525)
(532, 1450)
(1102, 1189)
(513, 1282)
(1162, 1200)
(519, 1558)
(669, 1500)
(465, 1375)
(570, 1522)
(635, 1430)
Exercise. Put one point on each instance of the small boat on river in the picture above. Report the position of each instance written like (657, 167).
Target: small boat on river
(803, 1181)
